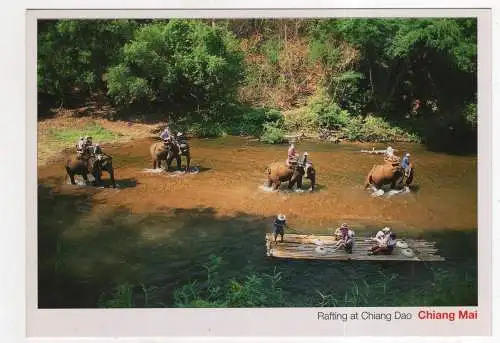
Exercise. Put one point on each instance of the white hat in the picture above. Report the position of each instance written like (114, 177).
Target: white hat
(179, 134)
(386, 229)
(96, 144)
(305, 153)
(408, 154)
(281, 217)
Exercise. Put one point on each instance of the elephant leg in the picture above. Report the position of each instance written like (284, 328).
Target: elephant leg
(85, 177)
(178, 160)
(112, 177)
(154, 164)
(299, 183)
(169, 162)
(269, 183)
(188, 162)
(71, 176)
(277, 185)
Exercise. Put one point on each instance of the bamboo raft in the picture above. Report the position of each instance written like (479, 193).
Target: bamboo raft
(313, 247)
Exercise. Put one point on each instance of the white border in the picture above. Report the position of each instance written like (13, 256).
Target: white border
(12, 78)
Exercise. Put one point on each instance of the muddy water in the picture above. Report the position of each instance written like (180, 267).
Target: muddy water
(160, 229)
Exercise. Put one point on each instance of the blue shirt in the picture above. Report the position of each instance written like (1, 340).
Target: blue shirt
(279, 223)
(405, 162)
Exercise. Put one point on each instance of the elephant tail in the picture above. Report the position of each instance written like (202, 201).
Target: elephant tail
(369, 180)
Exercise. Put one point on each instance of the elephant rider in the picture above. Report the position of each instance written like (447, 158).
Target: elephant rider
(385, 247)
(390, 157)
(97, 151)
(292, 155)
(405, 164)
(165, 135)
(180, 140)
(279, 225)
(80, 146)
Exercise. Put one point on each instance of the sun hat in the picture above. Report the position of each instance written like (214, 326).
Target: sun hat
(408, 154)
(179, 134)
(281, 217)
(386, 229)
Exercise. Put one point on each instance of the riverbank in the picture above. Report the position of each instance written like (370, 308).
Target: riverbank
(59, 132)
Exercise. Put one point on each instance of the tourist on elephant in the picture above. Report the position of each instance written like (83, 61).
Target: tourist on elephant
(386, 247)
(292, 155)
(80, 146)
(405, 164)
(97, 151)
(165, 135)
(279, 225)
(389, 152)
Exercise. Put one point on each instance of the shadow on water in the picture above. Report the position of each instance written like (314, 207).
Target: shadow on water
(83, 255)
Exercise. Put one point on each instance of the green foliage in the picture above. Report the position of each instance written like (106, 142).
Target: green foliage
(272, 134)
(271, 49)
(470, 115)
(120, 297)
(183, 62)
(301, 119)
(329, 114)
(75, 53)
(444, 288)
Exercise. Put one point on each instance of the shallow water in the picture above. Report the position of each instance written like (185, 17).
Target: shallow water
(160, 230)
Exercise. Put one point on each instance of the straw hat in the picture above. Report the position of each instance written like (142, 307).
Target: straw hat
(281, 217)
(386, 229)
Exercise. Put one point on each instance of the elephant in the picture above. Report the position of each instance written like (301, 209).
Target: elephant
(393, 174)
(279, 172)
(159, 152)
(167, 152)
(86, 164)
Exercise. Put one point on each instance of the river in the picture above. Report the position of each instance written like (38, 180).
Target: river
(160, 229)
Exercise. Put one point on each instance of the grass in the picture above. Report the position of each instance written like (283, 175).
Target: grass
(444, 288)
(96, 131)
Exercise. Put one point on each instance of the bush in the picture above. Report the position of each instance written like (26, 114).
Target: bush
(272, 134)
(182, 62)
(329, 114)
(301, 119)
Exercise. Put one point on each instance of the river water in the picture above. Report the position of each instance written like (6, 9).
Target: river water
(160, 229)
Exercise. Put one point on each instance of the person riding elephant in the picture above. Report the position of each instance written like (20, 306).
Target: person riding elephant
(393, 174)
(87, 164)
(279, 172)
(310, 172)
(167, 151)
(179, 147)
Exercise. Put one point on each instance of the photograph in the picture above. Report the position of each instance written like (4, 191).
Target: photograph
(257, 162)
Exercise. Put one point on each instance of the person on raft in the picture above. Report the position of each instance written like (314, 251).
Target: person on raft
(382, 235)
(292, 155)
(346, 240)
(386, 247)
(279, 225)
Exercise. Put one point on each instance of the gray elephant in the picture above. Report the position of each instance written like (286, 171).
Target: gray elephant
(84, 165)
